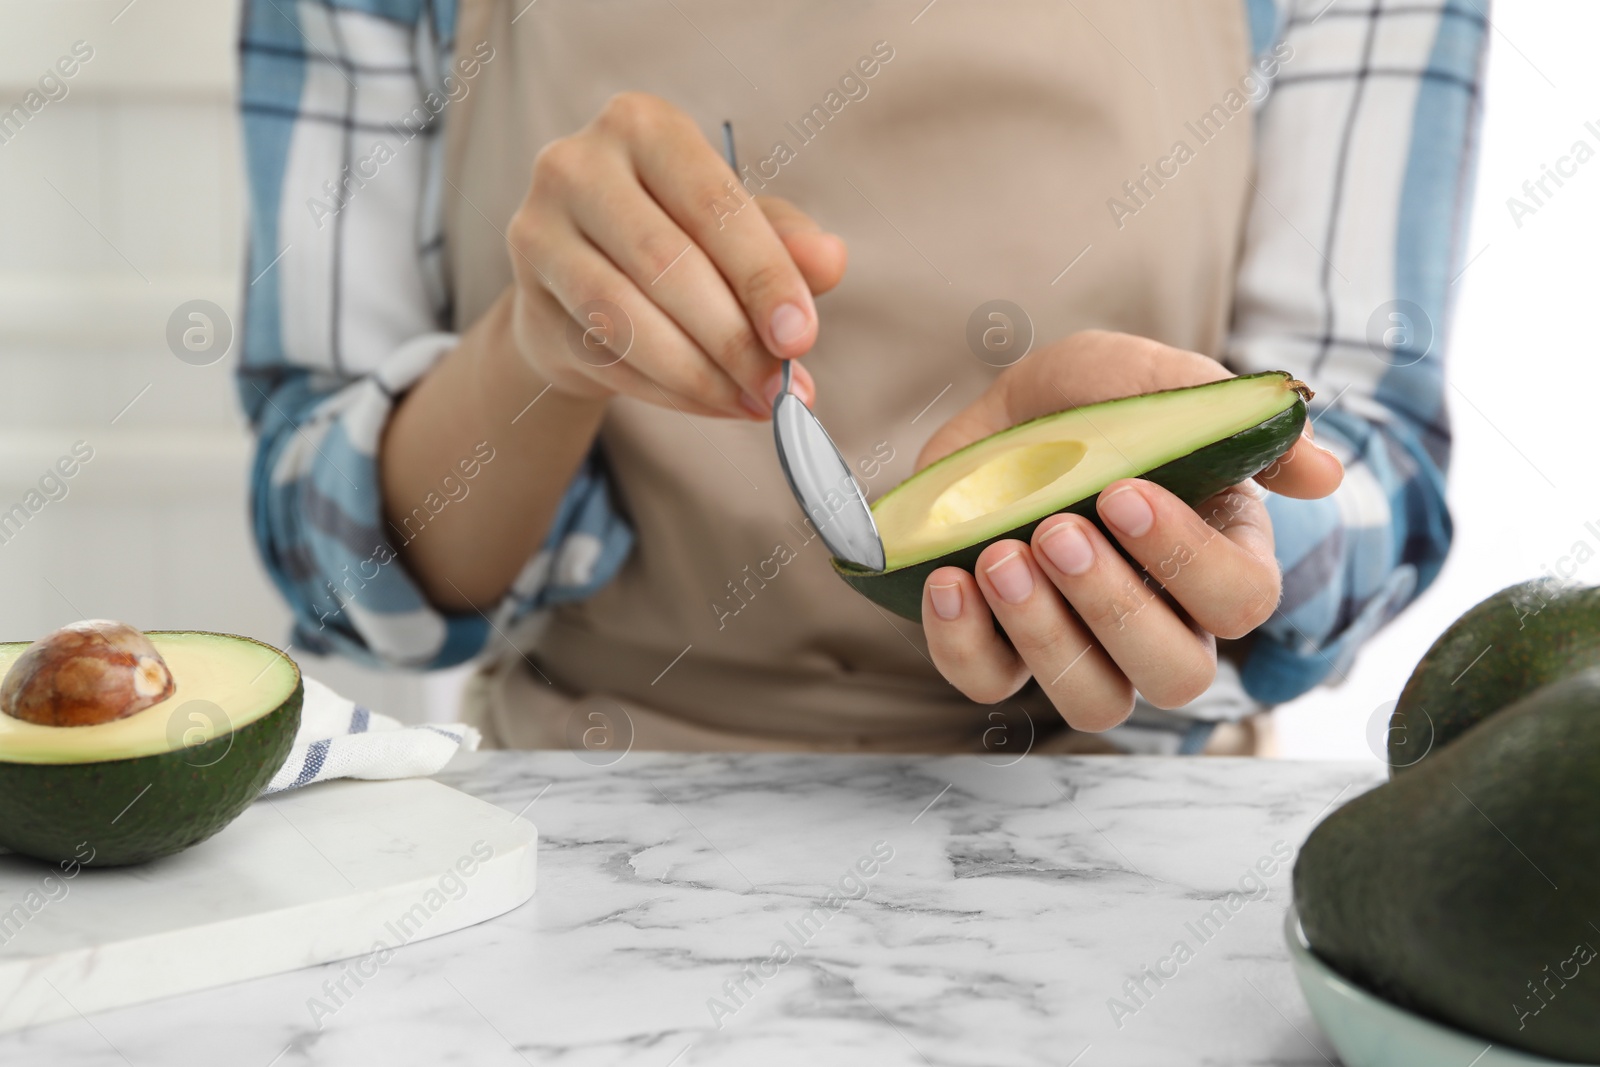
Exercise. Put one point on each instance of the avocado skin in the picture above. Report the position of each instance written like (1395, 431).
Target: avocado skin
(1193, 478)
(1417, 893)
(1540, 630)
(59, 812)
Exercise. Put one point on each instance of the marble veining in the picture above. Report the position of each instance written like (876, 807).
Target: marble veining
(979, 915)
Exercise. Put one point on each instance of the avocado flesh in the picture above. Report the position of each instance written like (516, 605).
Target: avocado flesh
(211, 667)
(1505, 647)
(1451, 888)
(162, 779)
(1194, 442)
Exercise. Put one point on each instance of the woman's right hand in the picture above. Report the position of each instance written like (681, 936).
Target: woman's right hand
(638, 211)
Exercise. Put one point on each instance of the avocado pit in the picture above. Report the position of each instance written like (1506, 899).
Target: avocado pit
(85, 674)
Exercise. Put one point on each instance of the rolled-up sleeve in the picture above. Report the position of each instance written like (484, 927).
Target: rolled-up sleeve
(1366, 148)
(342, 108)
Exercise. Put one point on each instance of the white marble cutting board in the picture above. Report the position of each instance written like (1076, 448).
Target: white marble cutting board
(333, 871)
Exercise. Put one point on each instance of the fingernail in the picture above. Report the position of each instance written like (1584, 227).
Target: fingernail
(754, 406)
(789, 324)
(1067, 548)
(1308, 432)
(1011, 578)
(946, 599)
(1128, 511)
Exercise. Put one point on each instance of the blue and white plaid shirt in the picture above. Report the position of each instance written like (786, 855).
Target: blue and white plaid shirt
(1365, 154)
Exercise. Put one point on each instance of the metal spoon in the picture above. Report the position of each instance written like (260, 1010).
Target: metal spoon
(818, 475)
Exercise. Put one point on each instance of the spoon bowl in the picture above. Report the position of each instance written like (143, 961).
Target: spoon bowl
(822, 482)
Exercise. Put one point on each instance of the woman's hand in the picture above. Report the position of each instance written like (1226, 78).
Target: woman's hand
(1091, 628)
(638, 211)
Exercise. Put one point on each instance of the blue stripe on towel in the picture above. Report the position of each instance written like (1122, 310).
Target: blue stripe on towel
(315, 754)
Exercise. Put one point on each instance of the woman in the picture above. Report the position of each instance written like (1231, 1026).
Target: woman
(515, 329)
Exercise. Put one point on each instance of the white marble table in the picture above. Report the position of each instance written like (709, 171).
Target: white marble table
(1016, 903)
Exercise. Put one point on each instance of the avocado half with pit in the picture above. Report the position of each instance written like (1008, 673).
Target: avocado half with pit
(1194, 442)
(158, 780)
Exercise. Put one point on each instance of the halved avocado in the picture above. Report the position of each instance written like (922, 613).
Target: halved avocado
(1194, 442)
(161, 779)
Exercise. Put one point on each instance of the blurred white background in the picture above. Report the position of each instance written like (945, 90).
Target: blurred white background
(117, 204)
(124, 200)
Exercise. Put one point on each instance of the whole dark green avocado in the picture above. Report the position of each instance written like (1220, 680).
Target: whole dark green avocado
(1505, 647)
(1468, 889)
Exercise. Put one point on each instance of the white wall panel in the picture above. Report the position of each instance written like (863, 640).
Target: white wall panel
(154, 528)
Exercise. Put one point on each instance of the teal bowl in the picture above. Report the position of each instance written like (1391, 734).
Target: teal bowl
(1368, 1031)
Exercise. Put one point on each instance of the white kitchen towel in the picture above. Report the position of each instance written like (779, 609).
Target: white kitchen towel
(340, 739)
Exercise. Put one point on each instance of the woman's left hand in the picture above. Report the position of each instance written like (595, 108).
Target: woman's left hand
(1091, 628)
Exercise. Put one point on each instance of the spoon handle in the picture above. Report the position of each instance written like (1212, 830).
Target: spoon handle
(733, 164)
(727, 146)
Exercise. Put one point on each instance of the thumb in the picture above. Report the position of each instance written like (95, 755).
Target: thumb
(986, 415)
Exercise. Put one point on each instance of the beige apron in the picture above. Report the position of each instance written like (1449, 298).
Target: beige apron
(977, 161)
